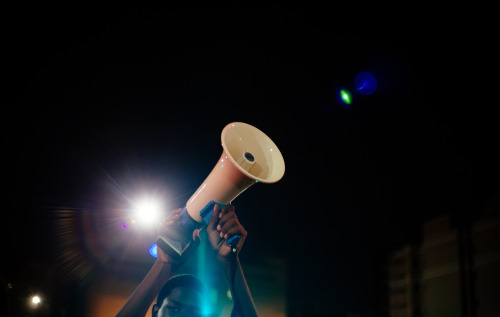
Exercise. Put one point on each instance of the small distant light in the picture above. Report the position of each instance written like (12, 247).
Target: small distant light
(229, 295)
(154, 251)
(36, 300)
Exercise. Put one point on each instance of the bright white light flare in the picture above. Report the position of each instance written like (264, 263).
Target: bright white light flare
(148, 211)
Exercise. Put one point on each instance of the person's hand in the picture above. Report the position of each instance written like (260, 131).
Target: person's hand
(223, 225)
(169, 225)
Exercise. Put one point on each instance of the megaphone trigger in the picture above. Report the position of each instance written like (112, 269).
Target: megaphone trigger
(233, 242)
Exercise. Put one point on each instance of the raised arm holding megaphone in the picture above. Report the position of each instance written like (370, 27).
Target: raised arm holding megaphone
(249, 156)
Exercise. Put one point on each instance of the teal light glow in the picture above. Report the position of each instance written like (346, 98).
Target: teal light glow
(202, 275)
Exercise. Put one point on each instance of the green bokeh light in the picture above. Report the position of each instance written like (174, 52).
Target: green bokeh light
(345, 95)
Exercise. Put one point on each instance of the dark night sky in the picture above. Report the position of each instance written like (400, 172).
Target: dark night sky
(138, 97)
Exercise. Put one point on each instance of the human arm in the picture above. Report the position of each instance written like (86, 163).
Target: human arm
(164, 267)
(223, 225)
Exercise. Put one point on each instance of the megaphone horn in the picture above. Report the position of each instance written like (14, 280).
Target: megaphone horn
(249, 156)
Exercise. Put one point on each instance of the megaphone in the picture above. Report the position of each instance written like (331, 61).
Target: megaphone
(249, 156)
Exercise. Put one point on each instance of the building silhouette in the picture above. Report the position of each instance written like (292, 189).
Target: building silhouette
(453, 271)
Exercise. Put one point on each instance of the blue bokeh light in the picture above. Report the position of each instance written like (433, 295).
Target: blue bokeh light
(365, 83)
(154, 251)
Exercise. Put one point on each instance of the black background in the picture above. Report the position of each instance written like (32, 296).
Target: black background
(100, 99)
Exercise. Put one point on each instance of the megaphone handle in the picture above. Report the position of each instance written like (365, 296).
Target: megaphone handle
(207, 212)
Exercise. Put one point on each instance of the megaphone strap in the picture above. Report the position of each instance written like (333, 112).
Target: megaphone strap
(189, 223)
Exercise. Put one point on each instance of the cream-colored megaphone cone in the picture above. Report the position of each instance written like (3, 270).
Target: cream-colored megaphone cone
(249, 156)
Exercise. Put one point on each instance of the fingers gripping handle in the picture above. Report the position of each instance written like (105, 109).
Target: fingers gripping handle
(176, 241)
(207, 212)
